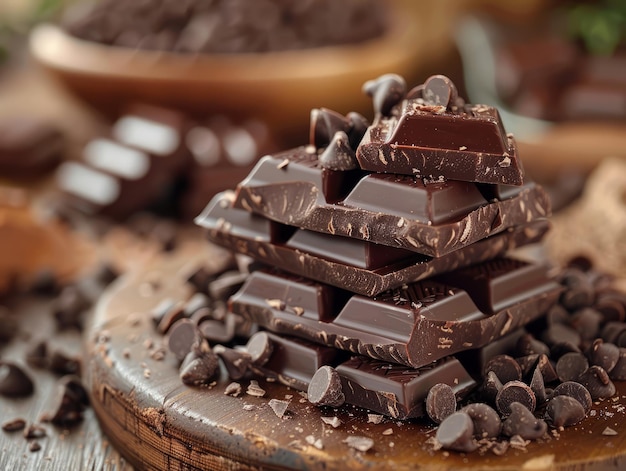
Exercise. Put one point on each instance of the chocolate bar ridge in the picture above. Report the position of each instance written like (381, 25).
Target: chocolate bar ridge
(272, 191)
(414, 326)
(252, 235)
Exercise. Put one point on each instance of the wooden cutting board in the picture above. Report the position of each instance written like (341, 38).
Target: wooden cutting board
(156, 422)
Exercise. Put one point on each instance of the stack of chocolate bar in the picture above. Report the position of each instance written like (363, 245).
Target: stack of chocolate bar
(382, 249)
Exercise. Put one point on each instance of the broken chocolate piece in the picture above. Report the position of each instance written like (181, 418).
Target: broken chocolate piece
(386, 91)
(440, 402)
(325, 388)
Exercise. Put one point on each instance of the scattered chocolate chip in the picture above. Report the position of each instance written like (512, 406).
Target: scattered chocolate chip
(575, 390)
(279, 407)
(338, 155)
(199, 368)
(440, 402)
(614, 332)
(63, 364)
(166, 314)
(68, 308)
(386, 91)
(325, 388)
(547, 369)
(529, 345)
(491, 387)
(203, 314)
(14, 425)
(597, 382)
(561, 348)
(37, 355)
(522, 422)
(505, 367)
(564, 411)
(456, 433)
(515, 391)
(618, 373)
(358, 127)
(486, 420)
(181, 337)
(612, 306)
(69, 402)
(324, 124)
(558, 333)
(527, 363)
(219, 331)
(570, 366)
(260, 348)
(579, 293)
(14, 382)
(34, 446)
(587, 322)
(236, 362)
(537, 386)
(34, 431)
(603, 354)
(197, 302)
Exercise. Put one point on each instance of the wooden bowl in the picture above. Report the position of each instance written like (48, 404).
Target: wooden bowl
(279, 87)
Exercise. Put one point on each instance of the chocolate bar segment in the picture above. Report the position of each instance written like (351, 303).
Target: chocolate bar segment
(413, 325)
(352, 264)
(289, 189)
(431, 142)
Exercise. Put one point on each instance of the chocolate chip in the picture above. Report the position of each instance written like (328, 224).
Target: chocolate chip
(529, 345)
(618, 373)
(195, 303)
(63, 364)
(570, 366)
(612, 306)
(199, 368)
(14, 382)
(168, 312)
(558, 333)
(200, 279)
(587, 322)
(515, 391)
(440, 402)
(486, 420)
(69, 307)
(34, 446)
(325, 388)
(576, 391)
(69, 402)
(14, 425)
(203, 314)
(547, 369)
(456, 433)
(358, 127)
(386, 91)
(338, 155)
(181, 337)
(561, 348)
(557, 314)
(564, 411)
(579, 293)
(597, 382)
(260, 348)
(439, 90)
(324, 125)
(505, 367)
(236, 362)
(522, 422)
(491, 387)
(603, 354)
(527, 363)
(537, 386)
(37, 355)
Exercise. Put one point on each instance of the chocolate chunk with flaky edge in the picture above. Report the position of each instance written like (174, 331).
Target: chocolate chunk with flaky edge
(309, 197)
(356, 265)
(469, 144)
(422, 322)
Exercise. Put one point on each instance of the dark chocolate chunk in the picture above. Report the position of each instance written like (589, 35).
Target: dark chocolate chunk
(14, 425)
(303, 194)
(564, 411)
(603, 354)
(34, 446)
(181, 338)
(512, 392)
(505, 368)
(167, 313)
(575, 390)
(226, 284)
(37, 355)
(34, 431)
(597, 382)
(571, 365)
(69, 307)
(522, 422)
(338, 155)
(486, 420)
(359, 266)
(14, 382)
(456, 433)
(440, 402)
(325, 388)
(260, 348)
(386, 91)
(69, 402)
(421, 311)
(427, 140)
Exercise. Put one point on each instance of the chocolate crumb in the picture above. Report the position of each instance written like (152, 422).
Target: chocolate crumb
(34, 446)
(359, 443)
(233, 389)
(254, 389)
(14, 425)
(279, 407)
(334, 422)
(374, 418)
(609, 431)
(34, 431)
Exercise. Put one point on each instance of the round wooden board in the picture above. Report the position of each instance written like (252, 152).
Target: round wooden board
(158, 423)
